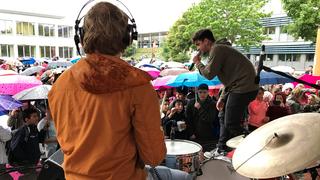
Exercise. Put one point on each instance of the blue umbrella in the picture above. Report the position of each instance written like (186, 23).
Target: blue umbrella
(75, 60)
(8, 103)
(192, 79)
(272, 78)
(28, 61)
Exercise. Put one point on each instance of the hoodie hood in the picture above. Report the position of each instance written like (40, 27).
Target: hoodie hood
(100, 74)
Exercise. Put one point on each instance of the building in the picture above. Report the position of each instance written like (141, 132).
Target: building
(281, 48)
(29, 34)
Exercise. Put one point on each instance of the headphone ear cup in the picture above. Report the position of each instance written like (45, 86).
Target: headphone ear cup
(81, 33)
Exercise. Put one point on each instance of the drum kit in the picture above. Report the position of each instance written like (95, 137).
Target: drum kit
(276, 150)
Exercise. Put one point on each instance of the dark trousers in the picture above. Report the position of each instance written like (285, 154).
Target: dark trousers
(232, 114)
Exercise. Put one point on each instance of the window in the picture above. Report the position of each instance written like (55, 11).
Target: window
(46, 30)
(65, 31)
(310, 57)
(6, 27)
(289, 57)
(26, 51)
(6, 50)
(25, 28)
(47, 51)
(269, 57)
(65, 52)
(270, 30)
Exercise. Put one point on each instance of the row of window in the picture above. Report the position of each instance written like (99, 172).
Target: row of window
(28, 29)
(272, 30)
(30, 51)
(289, 57)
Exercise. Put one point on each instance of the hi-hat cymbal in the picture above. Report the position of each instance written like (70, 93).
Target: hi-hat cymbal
(234, 142)
(280, 147)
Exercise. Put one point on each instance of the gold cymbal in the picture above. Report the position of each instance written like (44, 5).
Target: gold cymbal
(234, 142)
(280, 147)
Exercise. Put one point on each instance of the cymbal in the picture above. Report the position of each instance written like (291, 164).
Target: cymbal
(280, 147)
(234, 142)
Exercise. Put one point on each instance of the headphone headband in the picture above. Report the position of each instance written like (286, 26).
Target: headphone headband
(79, 32)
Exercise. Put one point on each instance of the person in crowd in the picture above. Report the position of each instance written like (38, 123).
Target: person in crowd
(287, 88)
(257, 111)
(202, 117)
(24, 146)
(313, 104)
(15, 120)
(278, 107)
(106, 111)
(175, 123)
(5, 135)
(236, 73)
(164, 107)
(309, 70)
(181, 94)
(296, 100)
(50, 141)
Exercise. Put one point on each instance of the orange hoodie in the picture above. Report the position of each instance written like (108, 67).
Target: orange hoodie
(107, 118)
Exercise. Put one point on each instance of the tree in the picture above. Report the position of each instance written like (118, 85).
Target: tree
(130, 50)
(238, 21)
(306, 18)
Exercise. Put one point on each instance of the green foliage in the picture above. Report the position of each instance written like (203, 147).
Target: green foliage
(239, 21)
(130, 50)
(306, 18)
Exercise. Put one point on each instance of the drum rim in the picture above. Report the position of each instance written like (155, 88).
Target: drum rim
(186, 141)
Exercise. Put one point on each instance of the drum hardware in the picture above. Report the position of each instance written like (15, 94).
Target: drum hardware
(270, 151)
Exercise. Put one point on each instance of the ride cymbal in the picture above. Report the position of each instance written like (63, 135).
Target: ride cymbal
(280, 147)
(234, 142)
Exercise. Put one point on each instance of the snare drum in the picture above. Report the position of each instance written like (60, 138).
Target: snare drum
(217, 169)
(183, 155)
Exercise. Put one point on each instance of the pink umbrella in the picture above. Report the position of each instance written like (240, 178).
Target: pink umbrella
(173, 71)
(309, 78)
(151, 71)
(161, 82)
(13, 84)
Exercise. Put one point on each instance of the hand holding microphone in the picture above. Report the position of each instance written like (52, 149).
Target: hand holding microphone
(196, 59)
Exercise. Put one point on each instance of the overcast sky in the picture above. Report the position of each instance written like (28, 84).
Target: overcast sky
(150, 15)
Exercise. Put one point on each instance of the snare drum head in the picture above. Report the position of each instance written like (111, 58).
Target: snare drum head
(219, 170)
(181, 147)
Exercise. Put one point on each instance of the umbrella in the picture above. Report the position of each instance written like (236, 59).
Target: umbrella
(143, 62)
(173, 71)
(161, 82)
(172, 64)
(61, 63)
(151, 71)
(192, 79)
(35, 93)
(75, 60)
(8, 103)
(14, 62)
(272, 78)
(7, 72)
(13, 84)
(32, 70)
(28, 61)
(309, 78)
(286, 69)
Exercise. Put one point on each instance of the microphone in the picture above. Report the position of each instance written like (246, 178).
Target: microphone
(192, 64)
(260, 65)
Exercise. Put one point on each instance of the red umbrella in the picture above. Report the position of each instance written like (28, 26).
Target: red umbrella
(308, 78)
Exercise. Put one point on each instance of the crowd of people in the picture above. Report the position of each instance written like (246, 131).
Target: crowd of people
(104, 114)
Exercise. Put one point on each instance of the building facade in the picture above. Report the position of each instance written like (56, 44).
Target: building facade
(27, 34)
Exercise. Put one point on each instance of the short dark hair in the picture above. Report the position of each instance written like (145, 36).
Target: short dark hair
(203, 34)
(177, 101)
(27, 113)
(203, 87)
(182, 90)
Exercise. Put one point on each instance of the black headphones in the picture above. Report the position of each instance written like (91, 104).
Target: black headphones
(79, 31)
